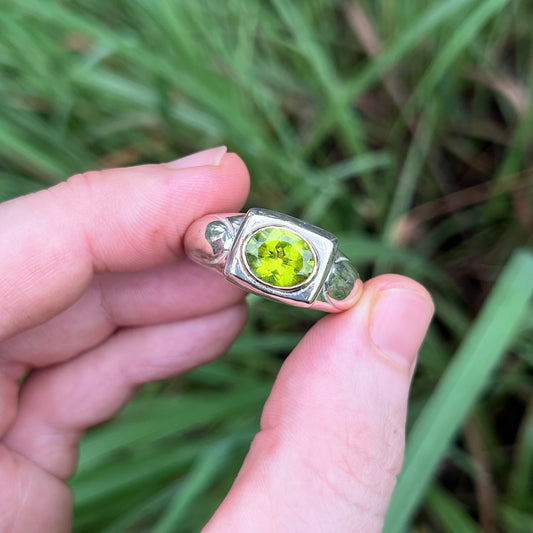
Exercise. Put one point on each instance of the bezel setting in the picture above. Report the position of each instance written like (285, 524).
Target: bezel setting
(253, 274)
(322, 244)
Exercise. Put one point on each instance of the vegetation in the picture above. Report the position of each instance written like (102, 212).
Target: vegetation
(404, 127)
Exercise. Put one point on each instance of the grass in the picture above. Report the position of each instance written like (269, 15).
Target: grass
(404, 127)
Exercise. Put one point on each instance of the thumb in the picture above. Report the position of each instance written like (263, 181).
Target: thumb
(126, 219)
(332, 432)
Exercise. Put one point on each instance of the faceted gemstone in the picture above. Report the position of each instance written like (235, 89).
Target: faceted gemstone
(279, 257)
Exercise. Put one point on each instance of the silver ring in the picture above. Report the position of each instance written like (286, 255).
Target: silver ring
(276, 256)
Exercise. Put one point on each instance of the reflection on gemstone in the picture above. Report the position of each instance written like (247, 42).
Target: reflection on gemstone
(279, 257)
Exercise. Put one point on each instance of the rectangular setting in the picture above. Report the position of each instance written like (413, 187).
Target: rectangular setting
(322, 243)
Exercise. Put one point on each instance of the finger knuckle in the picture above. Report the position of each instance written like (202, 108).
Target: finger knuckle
(84, 180)
(73, 192)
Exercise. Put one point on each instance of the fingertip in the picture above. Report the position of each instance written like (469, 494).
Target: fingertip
(236, 173)
(397, 282)
(212, 156)
(398, 311)
(384, 328)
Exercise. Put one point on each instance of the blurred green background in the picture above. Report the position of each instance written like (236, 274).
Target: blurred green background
(404, 127)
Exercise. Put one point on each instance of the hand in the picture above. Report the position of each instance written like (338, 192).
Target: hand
(92, 273)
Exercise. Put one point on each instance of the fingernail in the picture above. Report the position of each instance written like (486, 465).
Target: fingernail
(212, 157)
(399, 321)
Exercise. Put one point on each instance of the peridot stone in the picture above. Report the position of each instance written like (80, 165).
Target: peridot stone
(279, 257)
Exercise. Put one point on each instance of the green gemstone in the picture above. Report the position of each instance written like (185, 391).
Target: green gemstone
(279, 257)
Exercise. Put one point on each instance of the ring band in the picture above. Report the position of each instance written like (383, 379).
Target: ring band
(276, 256)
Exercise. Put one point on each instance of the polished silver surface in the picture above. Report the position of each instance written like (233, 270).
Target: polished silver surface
(219, 241)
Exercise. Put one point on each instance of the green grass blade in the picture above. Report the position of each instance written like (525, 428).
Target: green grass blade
(92, 489)
(467, 32)
(125, 521)
(438, 14)
(204, 472)
(147, 421)
(460, 387)
(521, 480)
(407, 181)
(13, 146)
(330, 184)
(448, 512)
(13, 185)
(516, 521)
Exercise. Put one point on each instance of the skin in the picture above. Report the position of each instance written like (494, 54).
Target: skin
(98, 299)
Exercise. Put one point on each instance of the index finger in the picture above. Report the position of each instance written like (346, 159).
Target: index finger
(128, 219)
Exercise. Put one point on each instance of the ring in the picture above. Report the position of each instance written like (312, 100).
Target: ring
(276, 256)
